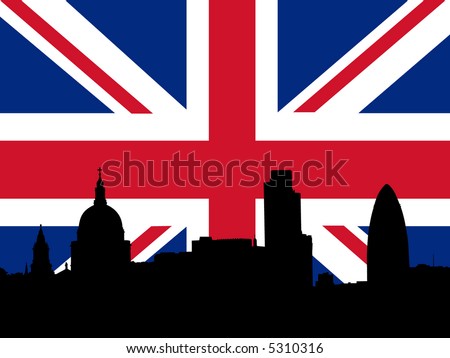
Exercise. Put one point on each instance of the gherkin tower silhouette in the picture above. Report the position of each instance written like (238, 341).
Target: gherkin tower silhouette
(387, 245)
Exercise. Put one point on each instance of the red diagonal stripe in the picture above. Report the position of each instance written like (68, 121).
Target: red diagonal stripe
(142, 242)
(370, 55)
(349, 239)
(76, 57)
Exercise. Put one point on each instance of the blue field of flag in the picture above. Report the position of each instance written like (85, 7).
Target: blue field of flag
(151, 33)
(314, 35)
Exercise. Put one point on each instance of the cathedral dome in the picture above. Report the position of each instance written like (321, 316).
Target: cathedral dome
(100, 222)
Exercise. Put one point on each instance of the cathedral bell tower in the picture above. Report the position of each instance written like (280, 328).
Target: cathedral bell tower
(41, 266)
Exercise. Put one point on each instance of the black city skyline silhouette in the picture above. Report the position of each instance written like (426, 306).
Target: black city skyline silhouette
(226, 287)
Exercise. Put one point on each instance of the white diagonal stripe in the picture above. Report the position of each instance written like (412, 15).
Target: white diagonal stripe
(168, 121)
(344, 122)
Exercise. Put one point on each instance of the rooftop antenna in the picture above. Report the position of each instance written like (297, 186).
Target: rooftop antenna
(433, 259)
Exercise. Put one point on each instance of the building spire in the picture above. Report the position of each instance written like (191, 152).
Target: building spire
(41, 266)
(40, 237)
(100, 198)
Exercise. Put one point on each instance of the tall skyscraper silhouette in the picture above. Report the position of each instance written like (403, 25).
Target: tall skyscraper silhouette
(100, 247)
(284, 239)
(41, 266)
(387, 246)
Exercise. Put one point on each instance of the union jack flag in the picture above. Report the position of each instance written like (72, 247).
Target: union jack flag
(229, 81)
